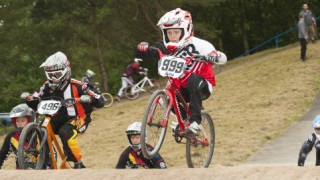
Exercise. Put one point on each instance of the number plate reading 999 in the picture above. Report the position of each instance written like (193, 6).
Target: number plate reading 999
(48, 107)
(171, 66)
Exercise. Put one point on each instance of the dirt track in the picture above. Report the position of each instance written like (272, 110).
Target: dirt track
(256, 172)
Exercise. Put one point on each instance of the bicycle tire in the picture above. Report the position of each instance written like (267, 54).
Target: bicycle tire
(216, 68)
(156, 86)
(193, 148)
(31, 133)
(154, 125)
(128, 93)
(108, 99)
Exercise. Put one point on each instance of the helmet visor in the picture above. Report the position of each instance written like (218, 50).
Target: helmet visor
(55, 74)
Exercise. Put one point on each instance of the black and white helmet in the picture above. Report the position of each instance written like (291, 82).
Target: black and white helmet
(134, 129)
(22, 110)
(57, 67)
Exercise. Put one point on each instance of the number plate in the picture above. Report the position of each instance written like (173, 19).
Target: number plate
(48, 107)
(169, 66)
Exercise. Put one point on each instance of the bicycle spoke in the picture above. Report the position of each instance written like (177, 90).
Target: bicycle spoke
(200, 149)
(132, 92)
(29, 149)
(154, 124)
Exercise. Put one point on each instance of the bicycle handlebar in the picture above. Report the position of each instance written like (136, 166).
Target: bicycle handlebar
(195, 57)
(64, 102)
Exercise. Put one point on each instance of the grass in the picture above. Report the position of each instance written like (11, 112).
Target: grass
(256, 98)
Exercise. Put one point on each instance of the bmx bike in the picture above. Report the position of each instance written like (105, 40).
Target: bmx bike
(199, 148)
(108, 98)
(33, 152)
(132, 92)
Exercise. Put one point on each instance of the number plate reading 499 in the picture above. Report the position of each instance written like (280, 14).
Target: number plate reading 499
(169, 66)
(48, 107)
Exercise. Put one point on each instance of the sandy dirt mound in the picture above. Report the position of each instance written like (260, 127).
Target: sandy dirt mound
(283, 172)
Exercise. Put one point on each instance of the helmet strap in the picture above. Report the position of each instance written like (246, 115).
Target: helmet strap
(63, 85)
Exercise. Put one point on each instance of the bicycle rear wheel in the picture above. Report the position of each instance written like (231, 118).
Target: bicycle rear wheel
(31, 147)
(199, 150)
(131, 92)
(155, 86)
(216, 68)
(108, 99)
(154, 124)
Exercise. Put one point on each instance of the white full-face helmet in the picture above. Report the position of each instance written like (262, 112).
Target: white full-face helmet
(137, 60)
(57, 67)
(134, 129)
(176, 19)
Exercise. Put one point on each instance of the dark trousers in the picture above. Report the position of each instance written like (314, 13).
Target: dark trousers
(197, 90)
(317, 157)
(303, 44)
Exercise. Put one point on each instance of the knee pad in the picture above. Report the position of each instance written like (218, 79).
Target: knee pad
(196, 83)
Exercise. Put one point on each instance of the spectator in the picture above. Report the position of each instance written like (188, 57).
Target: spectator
(310, 22)
(303, 36)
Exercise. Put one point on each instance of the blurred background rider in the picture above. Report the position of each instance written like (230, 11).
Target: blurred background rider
(126, 78)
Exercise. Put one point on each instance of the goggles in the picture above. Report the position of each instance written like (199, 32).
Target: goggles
(56, 74)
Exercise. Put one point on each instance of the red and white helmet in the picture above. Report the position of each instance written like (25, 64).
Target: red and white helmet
(176, 19)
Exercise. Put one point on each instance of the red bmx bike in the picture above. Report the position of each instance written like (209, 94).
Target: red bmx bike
(199, 149)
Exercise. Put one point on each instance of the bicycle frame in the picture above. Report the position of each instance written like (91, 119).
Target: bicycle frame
(51, 137)
(139, 86)
(174, 95)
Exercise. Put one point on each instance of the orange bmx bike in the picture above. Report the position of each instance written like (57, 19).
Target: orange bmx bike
(37, 143)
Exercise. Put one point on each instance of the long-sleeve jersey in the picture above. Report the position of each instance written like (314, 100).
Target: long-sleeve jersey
(74, 89)
(132, 68)
(195, 46)
(131, 159)
(10, 145)
(307, 147)
(86, 80)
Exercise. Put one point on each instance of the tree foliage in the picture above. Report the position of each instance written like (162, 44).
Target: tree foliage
(101, 35)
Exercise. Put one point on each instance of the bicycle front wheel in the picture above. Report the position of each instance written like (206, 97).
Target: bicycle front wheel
(199, 150)
(154, 124)
(31, 147)
(153, 86)
(108, 99)
(131, 92)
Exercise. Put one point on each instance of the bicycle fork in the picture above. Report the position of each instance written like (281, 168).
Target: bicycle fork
(51, 137)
